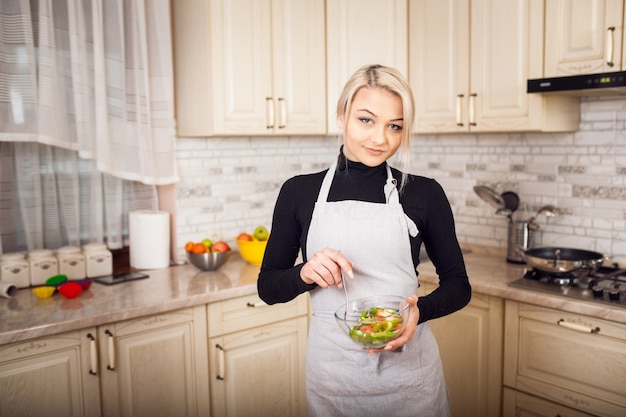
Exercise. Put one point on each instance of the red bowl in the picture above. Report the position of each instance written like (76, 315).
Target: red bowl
(70, 289)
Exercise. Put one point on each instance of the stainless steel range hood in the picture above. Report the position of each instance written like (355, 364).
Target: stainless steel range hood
(608, 83)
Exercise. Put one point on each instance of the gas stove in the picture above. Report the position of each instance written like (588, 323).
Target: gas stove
(607, 285)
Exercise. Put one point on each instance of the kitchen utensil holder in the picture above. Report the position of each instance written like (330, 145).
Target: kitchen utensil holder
(520, 238)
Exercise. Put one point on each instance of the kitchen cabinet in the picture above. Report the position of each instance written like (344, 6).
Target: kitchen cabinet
(485, 90)
(155, 365)
(51, 376)
(570, 361)
(362, 32)
(257, 357)
(519, 404)
(249, 67)
(470, 343)
(583, 37)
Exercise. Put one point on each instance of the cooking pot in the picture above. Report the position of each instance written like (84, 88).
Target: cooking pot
(563, 260)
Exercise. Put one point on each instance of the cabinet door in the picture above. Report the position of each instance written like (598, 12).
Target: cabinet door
(583, 37)
(51, 376)
(566, 358)
(299, 67)
(259, 372)
(439, 64)
(517, 403)
(362, 32)
(470, 343)
(156, 366)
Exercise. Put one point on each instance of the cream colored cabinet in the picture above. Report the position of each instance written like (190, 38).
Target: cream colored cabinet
(362, 32)
(257, 356)
(51, 376)
(485, 90)
(583, 37)
(155, 365)
(519, 404)
(569, 361)
(470, 343)
(249, 67)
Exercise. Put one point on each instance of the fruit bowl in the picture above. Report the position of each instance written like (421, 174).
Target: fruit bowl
(252, 251)
(208, 261)
(372, 322)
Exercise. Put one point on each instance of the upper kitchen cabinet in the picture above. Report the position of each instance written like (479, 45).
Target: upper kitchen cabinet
(362, 32)
(249, 67)
(469, 62)
(583, 37)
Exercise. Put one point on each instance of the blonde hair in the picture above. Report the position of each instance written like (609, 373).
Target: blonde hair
(390, 79)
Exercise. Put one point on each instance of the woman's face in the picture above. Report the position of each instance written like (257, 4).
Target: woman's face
(373, 126)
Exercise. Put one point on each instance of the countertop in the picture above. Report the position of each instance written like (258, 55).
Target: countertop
(24, 316)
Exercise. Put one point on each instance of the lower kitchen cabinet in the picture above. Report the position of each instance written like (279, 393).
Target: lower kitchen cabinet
(519, 404)
(565, 361)
(51, 376)
(470, 343)
(155, 365)
(257, 356)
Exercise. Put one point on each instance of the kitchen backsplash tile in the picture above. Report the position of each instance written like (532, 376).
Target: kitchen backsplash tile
(229, 185)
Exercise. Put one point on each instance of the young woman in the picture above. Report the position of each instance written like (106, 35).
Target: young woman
(366, 221)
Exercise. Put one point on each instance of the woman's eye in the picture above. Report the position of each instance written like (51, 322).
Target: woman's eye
(365, 120)
(395, 127)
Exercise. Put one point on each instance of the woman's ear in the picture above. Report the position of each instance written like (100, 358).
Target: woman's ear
(340, 122)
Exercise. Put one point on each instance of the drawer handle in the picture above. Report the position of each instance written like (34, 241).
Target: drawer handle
(111, 340)
(253, 305)
(220, 362)
(459, 110)
(93, 356)
(578, 327)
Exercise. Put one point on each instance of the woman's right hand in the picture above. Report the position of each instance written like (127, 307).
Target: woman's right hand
(324, 268)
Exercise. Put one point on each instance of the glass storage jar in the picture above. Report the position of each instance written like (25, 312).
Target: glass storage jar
(14, 268)
(98, 260)
(71, 262)
(43, 265)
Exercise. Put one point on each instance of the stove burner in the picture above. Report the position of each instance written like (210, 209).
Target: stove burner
(606, 285)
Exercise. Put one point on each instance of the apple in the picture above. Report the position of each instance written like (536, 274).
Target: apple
(244, 236)
(261, 233)
(220, 246)
(207, 243)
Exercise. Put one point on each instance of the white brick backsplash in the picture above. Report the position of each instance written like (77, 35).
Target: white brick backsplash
(229, 185)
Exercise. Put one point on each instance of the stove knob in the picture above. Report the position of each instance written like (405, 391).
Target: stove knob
(598, 291)
(614, 294)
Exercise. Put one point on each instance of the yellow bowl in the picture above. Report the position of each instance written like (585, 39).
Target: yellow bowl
(252, 251)
(45, 291)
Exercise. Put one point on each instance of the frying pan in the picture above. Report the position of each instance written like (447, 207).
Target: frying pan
(563, 260)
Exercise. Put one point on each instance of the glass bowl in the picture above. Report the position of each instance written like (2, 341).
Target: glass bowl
(252, 251)
(208, 261)
(372, 322)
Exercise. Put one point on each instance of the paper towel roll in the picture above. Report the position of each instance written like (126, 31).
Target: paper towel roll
(149, 234)
(7, 289)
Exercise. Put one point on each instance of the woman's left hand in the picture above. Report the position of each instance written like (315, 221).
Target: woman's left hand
(409, 330)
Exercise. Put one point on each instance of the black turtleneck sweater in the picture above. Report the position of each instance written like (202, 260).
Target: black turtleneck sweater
(423, 200)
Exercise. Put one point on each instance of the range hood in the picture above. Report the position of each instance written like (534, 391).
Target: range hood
(608, 83)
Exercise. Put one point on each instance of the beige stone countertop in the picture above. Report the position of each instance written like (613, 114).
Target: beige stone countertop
(490, 274)
(24, 316)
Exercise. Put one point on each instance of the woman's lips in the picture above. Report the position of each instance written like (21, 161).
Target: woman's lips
(375, 152)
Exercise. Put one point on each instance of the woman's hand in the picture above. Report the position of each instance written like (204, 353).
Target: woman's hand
(409, 330)
(325, 267)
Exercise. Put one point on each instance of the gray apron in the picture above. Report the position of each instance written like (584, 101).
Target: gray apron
(342, 379)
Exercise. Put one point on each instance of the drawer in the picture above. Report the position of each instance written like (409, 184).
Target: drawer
(567, 358)
(249, 312)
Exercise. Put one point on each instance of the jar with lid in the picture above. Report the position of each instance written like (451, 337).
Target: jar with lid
(43, 265)
(98, 260)
(71, 262)
(14, 268)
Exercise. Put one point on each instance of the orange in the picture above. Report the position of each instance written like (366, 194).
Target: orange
(198, 248)
(189, 246)
(244, 236)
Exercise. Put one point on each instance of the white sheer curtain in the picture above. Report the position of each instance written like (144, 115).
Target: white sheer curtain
(87, 124)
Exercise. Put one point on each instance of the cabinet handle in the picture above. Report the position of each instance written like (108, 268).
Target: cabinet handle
(472, 109)
(269, 107)
(578, 326)
(459, 109)
(93, 355)
(220, 362)
(111, 344)
(253, 305)
(610, 34)
(282, 112)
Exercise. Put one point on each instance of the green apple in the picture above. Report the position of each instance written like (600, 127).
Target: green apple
(261, 233)
(207, 243)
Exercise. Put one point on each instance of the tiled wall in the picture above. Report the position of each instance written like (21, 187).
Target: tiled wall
(229, 185)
